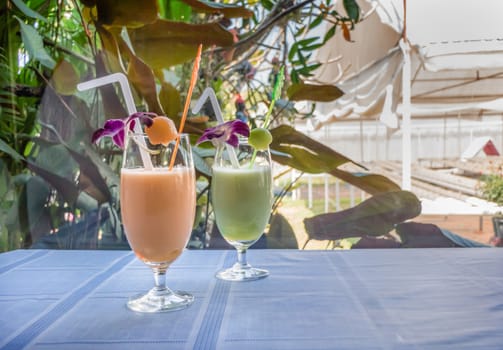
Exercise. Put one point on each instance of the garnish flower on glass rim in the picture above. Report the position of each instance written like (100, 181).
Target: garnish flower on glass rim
(225, 133)
(159, 129)
(116, 128)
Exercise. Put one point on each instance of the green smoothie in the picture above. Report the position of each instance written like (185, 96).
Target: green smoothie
(242, 200)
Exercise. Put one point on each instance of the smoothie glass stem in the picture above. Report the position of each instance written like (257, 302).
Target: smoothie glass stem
(242, 264)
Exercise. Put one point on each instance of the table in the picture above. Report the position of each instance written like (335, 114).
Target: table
(356, 299)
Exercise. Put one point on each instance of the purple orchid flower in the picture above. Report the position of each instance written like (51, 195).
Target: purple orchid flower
(116, 128)
(225, 133)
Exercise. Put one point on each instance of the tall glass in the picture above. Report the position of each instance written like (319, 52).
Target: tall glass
(242, 199)
(157, 209)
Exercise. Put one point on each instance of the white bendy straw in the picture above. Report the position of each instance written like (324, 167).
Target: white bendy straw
(209, 93)
(128, 97)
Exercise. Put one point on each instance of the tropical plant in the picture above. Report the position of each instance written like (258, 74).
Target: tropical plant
(54, 178)
(492, 188)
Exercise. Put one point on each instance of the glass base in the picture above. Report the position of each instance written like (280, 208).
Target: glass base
(163, 300)
(239, 273)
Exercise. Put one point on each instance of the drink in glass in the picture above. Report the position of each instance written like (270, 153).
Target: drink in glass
(157, 209)
(242, 200)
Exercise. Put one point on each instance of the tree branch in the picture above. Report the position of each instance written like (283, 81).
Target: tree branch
(271, 21)
(266, 25)
(68, 51)
(259, 32)
(26, 91)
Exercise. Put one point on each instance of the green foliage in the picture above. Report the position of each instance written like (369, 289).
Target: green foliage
(28, 11)
(301, 51)
(352, 9)
(54, 180)
(492, 188)
(34, 45)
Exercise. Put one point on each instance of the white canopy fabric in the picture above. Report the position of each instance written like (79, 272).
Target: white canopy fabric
(449, 75)
(455, 50)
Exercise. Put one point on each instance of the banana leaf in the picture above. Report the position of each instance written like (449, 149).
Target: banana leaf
(293, 148)
(110, 49)
(111, 103)
(421, 235)
(171, 100)
(163, 43)
(370, 183)
(375, 216)
(311, 92)
(32, 213)
(64, 78)
(227, 10)
(90, 179)
(143, 80)
(127, 13)
(139, 74)
(66, 188)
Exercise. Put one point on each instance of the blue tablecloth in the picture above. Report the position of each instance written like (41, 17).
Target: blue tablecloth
(359, 299)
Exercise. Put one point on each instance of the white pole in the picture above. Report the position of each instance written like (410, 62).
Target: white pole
(369, 146)
(420, 145)
(406, 122)
(292, 178)
(386, 156)
(361, 140)
(309, 191)
(337, 195)
(326, 193)
(459, 136)
(376, 142)
(444, 146)
(501, 133)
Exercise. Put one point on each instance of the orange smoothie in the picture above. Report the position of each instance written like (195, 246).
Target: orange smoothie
(158, 208)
